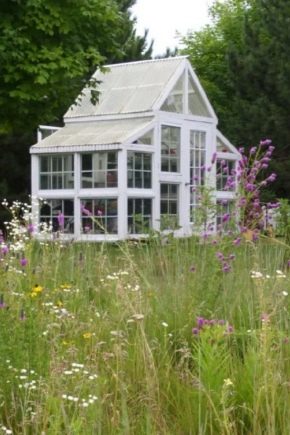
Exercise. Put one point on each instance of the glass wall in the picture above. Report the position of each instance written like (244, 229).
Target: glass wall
(99, 216)
(56, 171)
(139, 168)
(168, 206)
(170, 148)
(139, 215)
(99, 170)
(196, 167)
(58, 214)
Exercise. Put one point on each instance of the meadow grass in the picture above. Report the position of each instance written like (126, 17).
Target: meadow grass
(145, 338)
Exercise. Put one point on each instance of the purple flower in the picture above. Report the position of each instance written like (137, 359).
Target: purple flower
(200, 321)
(85, 211)
(230, 329)
(192, 268)
(250, 187)
(272, 177)
(2, 303)
(237, 241)
(226, 267)
(226, 217)
(253, 150)
(265, 142)
(30, 228)
(195, 331)
(220, 255)
(60, 219)
(213, 159)
(4, 249)
(23, 261)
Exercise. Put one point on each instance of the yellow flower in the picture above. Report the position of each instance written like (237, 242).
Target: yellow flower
(32, 294)
(65, 286)
(37, 289)
(87, 335)
(59, 304)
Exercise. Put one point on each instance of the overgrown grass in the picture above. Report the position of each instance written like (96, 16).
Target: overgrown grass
(97, 339)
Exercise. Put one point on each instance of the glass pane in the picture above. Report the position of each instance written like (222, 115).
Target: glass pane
(147, 180)
(44, 164)
(68, 181)
(44, 182)
(138, 160)
(138, 179)
(87, 179)
(87, 162)
(112, 225)
(196, 104)
(112, 160)
(112, 179)
(130, 179)
(130, 159)
(99, 179)
(146, 139)
(147, 162)
(147, 206)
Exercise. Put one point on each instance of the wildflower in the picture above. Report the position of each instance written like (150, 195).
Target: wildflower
(195, 331)
(228, 382)
(284, 293)
(4, 249)
(265, 318)
(192, 268)
(164, 324)
(237, 241)
(23, 261)
(37, 289)
(87, 335)
(60, 220)
(2, 303)
(30, 228)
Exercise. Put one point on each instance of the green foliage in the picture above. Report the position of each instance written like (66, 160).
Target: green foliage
(242, 59)
(48, 51)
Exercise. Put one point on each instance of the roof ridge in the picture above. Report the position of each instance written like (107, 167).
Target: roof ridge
(137, 62)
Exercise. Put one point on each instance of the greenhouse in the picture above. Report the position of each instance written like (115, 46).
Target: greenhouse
(133, 162)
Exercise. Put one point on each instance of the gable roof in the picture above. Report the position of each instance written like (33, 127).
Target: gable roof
(128, 88)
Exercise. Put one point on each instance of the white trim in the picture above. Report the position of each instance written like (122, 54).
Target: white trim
(227, 156)
(73, 148)
(228, 144)
(170, 85)
(110, 117)
(202, 92)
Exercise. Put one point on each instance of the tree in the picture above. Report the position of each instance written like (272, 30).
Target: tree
(48, 51)
(243, 59)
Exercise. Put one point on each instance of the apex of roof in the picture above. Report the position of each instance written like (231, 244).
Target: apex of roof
(126, 88)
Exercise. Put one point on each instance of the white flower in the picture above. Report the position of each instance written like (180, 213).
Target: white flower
(284, 293)
(164, 324)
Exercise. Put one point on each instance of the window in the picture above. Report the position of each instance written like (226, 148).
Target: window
(146, 139)
(225, 174)
(197, 167)
(170, 148)
(168, 206)
(224, 214)
(174, 101)
(99, 170)
(139, 170)
(196, 105)
(57, 172)
(58, 214)
(139, 215)
(99, 216)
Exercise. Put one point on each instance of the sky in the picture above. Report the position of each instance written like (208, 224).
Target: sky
(164, 18)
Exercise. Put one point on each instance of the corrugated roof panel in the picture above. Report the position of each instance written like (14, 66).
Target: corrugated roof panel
(128, 83)
(97, 133)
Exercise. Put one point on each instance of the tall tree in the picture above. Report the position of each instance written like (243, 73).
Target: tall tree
(243, 59)
(48, 51)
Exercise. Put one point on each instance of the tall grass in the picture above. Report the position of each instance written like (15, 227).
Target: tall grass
(97, 339)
